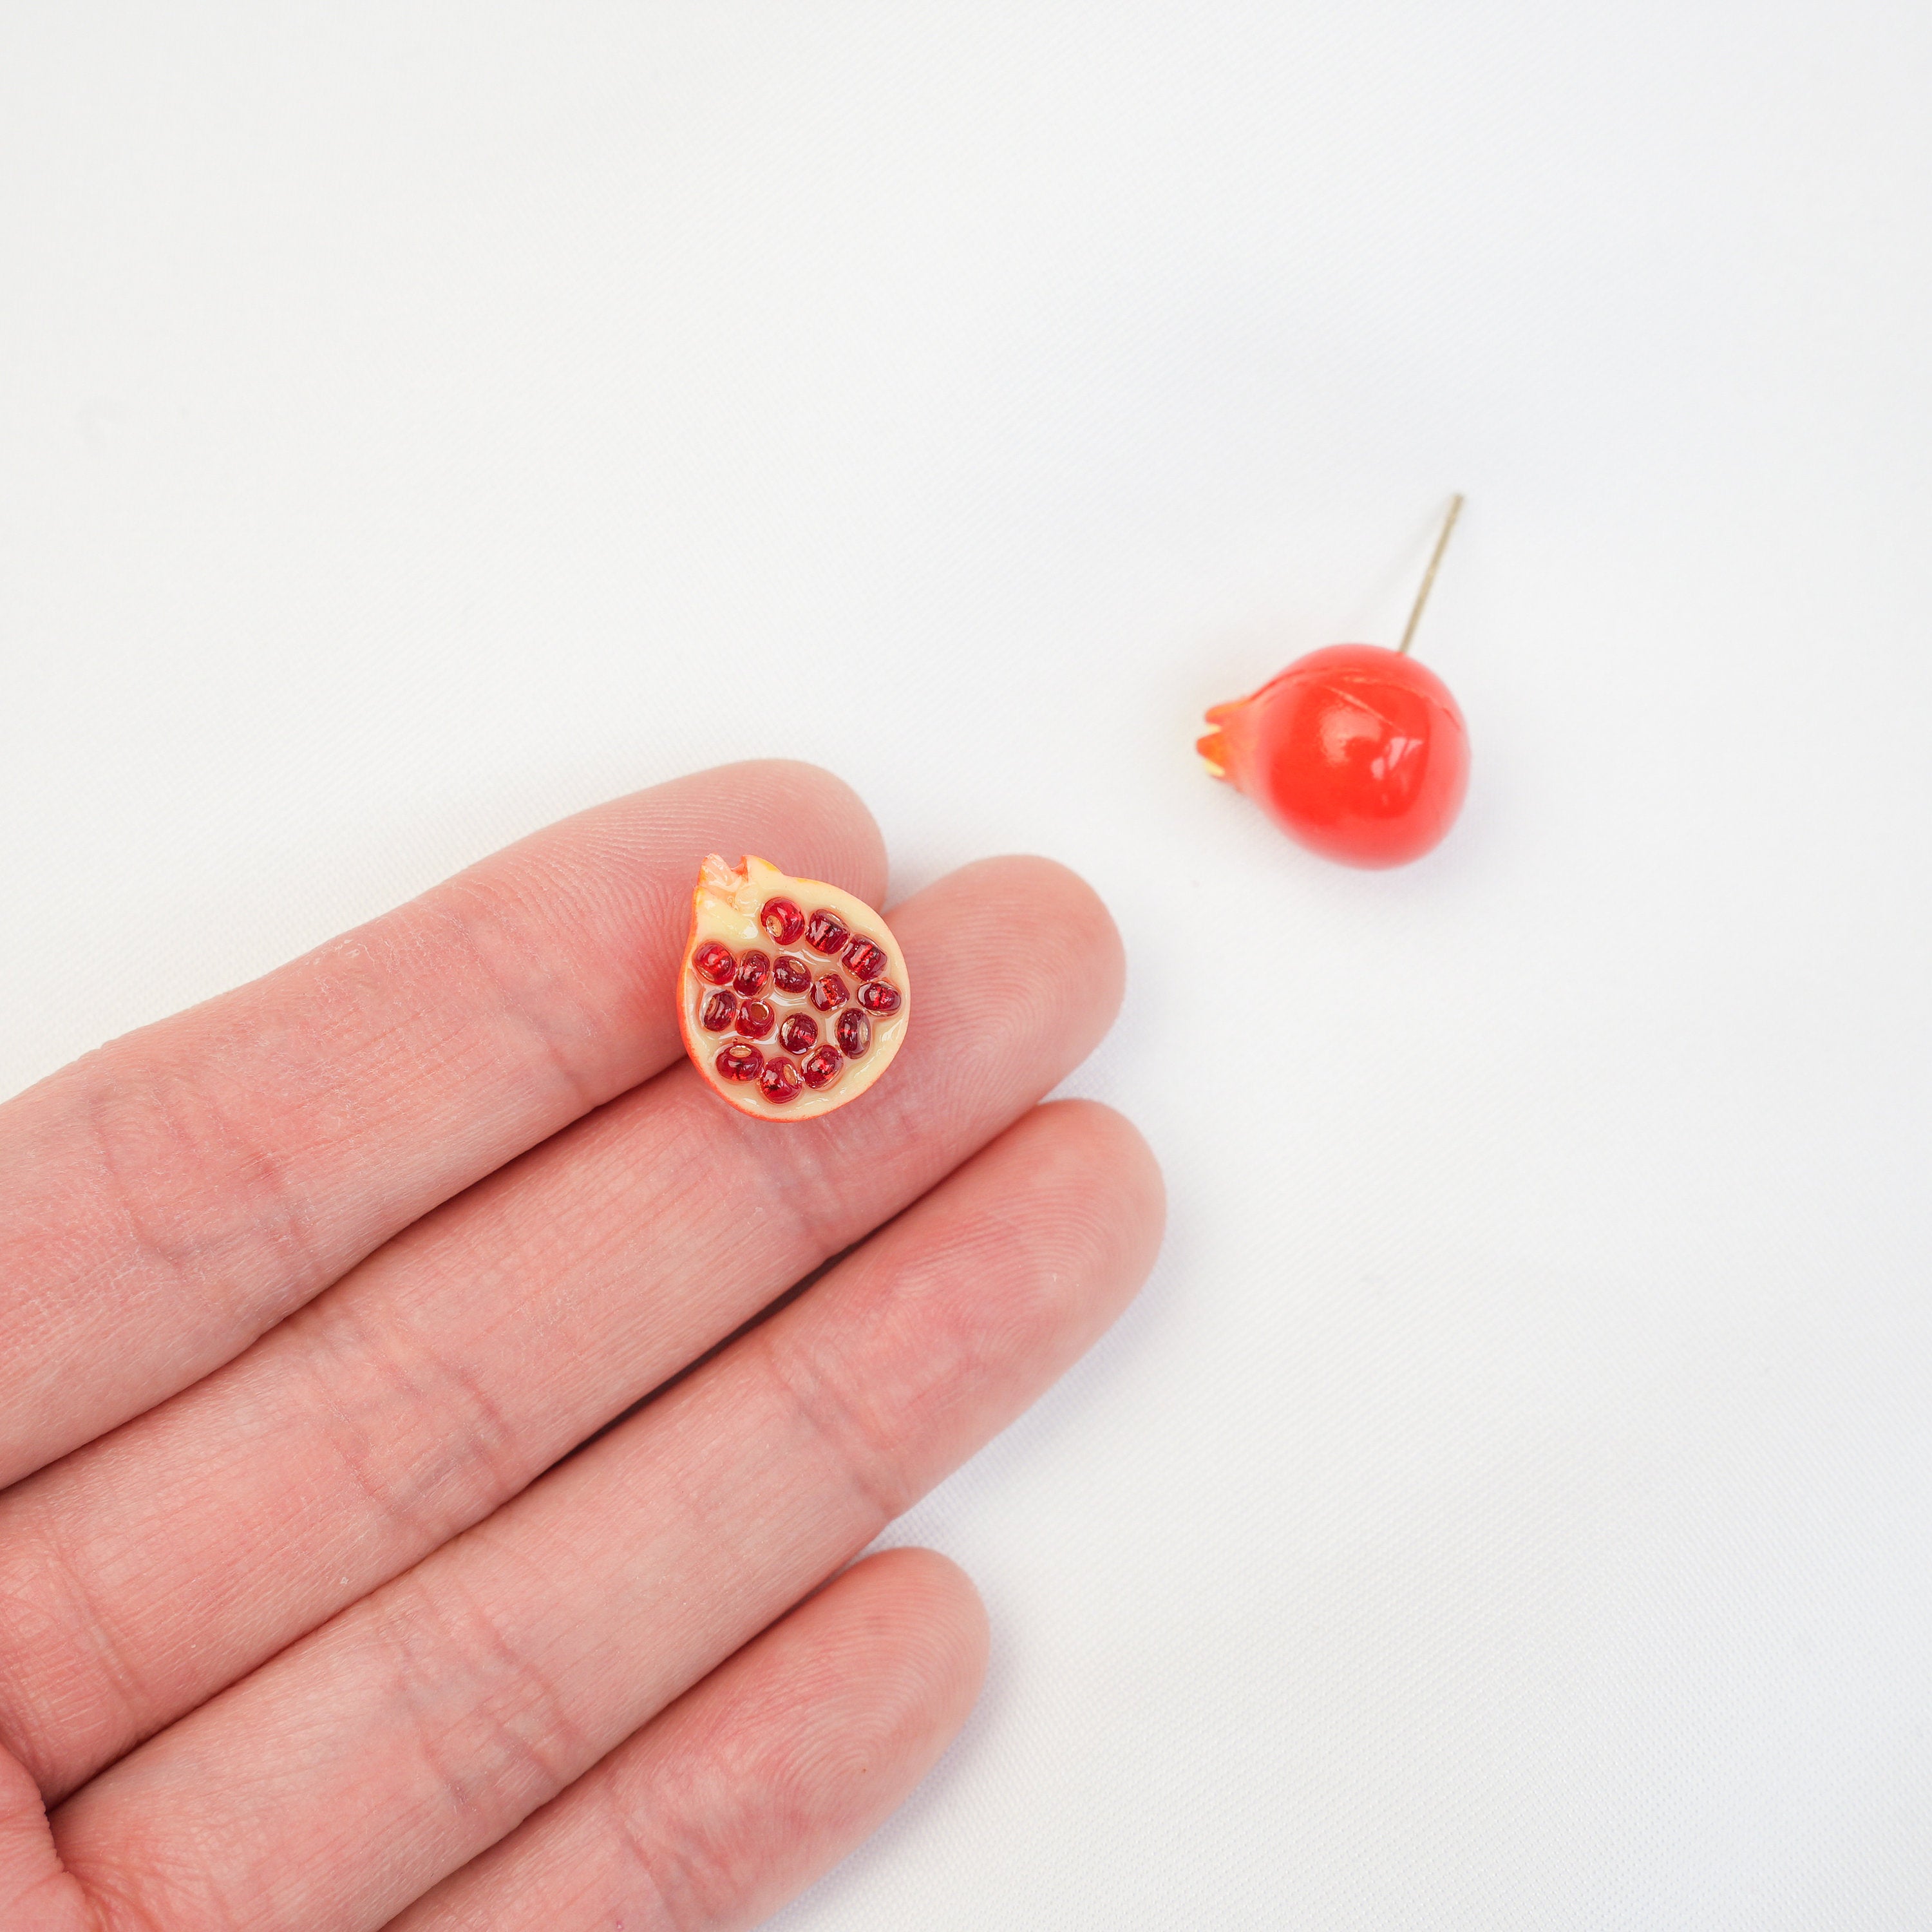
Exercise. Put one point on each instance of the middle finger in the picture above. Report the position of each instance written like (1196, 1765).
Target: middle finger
(452, 1367)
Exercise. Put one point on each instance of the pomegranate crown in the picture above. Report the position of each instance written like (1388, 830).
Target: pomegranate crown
(741, 888)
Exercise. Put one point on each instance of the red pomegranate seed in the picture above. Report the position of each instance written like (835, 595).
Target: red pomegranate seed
(797, 1034)
(740, 1062)
(783, 921)
(789, 974)
(779, 1083)
(714, 962)
(855, 1033)
(825, 932)
(881, 997)
(755, 1019)
(820, 1067)
(718, 1008)
(754, 972)
(830, 994)
(867, 960)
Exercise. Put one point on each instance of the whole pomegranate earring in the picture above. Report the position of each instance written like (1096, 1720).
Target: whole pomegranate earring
(792, 997)
(1356, 751)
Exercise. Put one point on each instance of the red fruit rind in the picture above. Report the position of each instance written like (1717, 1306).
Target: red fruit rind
(728, 910)
(1356, 751)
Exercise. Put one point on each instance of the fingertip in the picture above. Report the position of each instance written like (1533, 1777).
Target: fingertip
(915, 1602)
(1123, 1177)
(806, 819)
(1090, 929)
(854, 1696)
(759, 1778)
(1087, 1185)
(1026, 953)
(795, 790)
(1058, 913)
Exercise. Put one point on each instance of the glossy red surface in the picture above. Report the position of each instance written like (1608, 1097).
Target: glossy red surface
(783, 920)
(1357, 752)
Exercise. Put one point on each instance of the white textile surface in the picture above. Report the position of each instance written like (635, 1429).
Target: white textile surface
(1509, 1504)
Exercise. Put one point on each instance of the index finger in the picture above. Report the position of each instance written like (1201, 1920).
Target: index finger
(170, 1196)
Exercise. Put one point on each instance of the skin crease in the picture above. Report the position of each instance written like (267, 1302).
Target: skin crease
(308, 1616)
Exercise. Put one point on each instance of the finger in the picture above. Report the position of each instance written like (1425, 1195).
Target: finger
(37, 1895)
(147, 1570)
(421, 1724)
(750, 1785)
(167, 1198)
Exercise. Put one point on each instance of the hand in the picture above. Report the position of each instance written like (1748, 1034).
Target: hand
(323, 1602)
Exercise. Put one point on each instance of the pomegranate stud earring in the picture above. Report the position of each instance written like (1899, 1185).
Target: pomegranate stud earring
(1356, 751)
(792, 997)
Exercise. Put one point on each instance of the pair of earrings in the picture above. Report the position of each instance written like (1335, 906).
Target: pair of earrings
(794, 996)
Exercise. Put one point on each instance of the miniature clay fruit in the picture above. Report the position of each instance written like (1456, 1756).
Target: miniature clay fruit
(792, 997)
(1358, 752)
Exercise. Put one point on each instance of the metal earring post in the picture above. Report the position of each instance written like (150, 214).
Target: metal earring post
(1429, 575)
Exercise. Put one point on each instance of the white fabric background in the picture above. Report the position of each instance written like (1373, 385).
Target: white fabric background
(1508, 1504)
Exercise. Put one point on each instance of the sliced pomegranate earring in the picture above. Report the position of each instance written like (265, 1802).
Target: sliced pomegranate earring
(1356, 751)
(792, 997)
